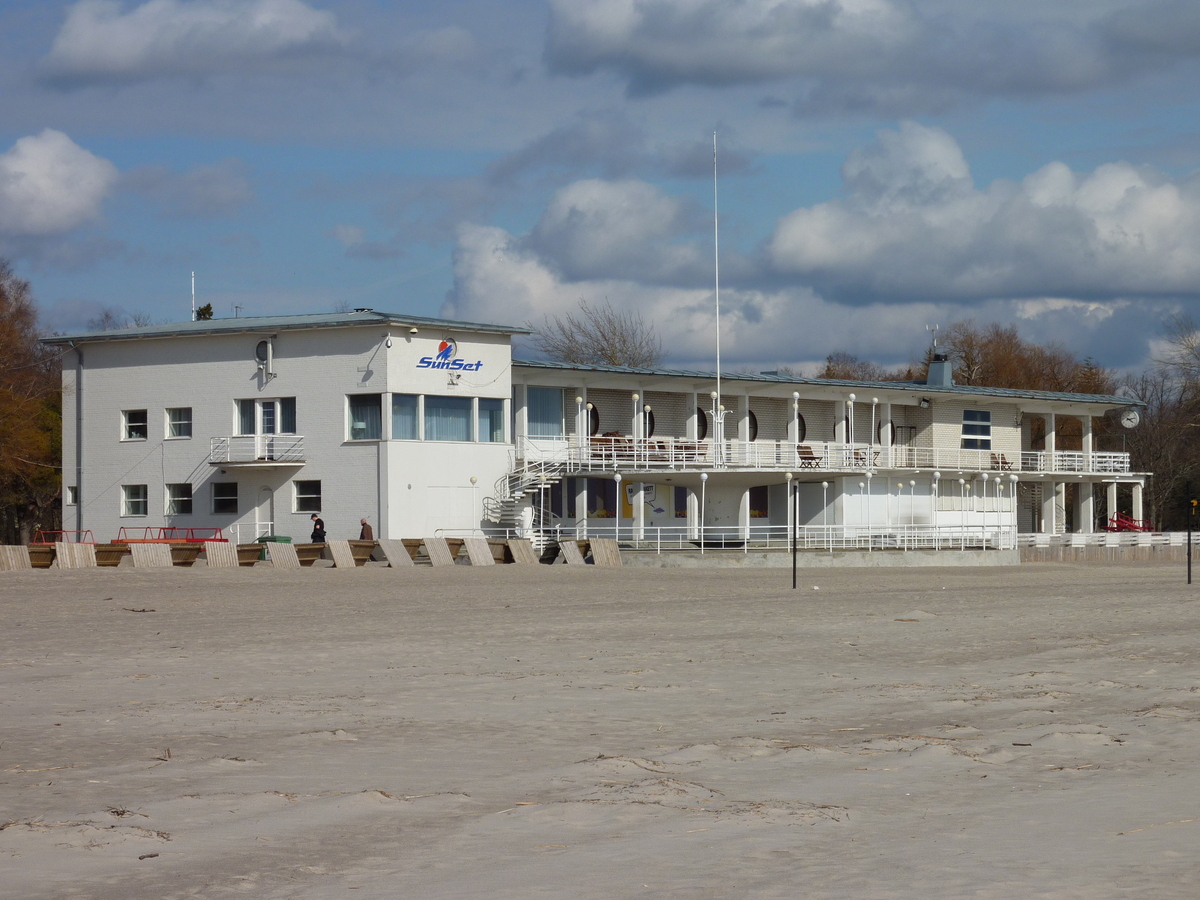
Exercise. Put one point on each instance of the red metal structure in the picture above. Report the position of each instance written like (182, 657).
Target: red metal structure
(67, 537)
(168, 535)
(1121, 522)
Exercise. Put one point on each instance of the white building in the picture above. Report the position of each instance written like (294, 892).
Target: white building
(425, 425)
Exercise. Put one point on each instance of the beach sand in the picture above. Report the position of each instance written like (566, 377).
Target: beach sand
(529, 732)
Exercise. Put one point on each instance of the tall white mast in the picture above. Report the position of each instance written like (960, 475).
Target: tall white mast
(716, 279)
(193, 296)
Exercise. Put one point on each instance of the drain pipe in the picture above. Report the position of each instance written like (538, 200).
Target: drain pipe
(78, 436)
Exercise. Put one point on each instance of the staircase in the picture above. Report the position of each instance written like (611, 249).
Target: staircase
(512, 492)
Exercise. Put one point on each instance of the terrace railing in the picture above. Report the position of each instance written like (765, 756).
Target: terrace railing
(257, 448)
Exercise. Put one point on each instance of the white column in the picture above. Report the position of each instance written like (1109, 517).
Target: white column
(1087, 442)
(1049, 515)
(743, 418)
(885, 434)
(693, 513)
(744, 514)
(1136, 508)
(581, 507)
(1111, 497)
(693, 426)
(1060, 503)
(639, 510)
(839, 422)
(1050, 441)
(1085, 508)
(521, 417)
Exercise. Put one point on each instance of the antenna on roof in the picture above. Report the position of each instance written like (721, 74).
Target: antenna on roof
(193, 296)
(933, 329)
(236, 309)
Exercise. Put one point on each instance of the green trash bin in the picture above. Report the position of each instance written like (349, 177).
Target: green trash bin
(271, 539)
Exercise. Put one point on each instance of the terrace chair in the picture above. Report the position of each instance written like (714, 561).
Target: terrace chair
(282, 556)
(1000, 463)
(439, 551)
(14, 556)
(151, 556)
(396, 554)
(808, 459)
(220, 555)
(479, 551)
(605, 552)
(343, 558)
(521, 550)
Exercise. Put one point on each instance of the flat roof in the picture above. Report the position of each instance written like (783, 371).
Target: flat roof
(913, 386)
(279, 323)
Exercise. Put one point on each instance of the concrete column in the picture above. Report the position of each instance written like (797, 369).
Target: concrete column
(1136, 509)
(581, 507)
(839, 422)
(885, 434)
(1060, 505)
(635, 429)
(1085, 508)
(520, 414)
(1087, 441)
(1050, 442)
(1111, 496)
(1049, 493)
(743, 418)
(693, 513)
(744, 515)
(693, 425)
(639, 510)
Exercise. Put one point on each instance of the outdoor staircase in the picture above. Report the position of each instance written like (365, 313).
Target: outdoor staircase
(514, 489)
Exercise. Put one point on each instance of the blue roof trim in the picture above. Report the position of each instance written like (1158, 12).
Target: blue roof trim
(279, 323)
(912, 386)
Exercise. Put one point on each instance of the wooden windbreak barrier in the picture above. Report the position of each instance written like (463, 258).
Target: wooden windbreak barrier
(14, 556)
(439, 551)
(522, 551)
(605, 552)
(151, 556)
(479, 551)
(283, 556)
(221, 555)
(570, 552)
(342, 557)
(396, 554)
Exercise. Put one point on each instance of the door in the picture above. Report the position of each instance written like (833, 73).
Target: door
(264, 512)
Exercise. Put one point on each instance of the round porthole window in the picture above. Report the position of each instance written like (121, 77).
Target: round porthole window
(260, 352)
(593, 420)
(752, 425)
(701, 424)
(801, 428)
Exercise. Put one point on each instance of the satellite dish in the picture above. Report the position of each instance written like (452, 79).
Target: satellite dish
(1130, 418)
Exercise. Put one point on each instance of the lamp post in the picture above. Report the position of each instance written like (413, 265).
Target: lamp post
(475, 502)
(1013, 481)
(933, 508)
(871, 452)
(703, 507)
(646, 432)
(617, 521)
(962, 502)
(796, 426)
(984, 478)
(588, 428)
(870, 541)
(579, 424)
(900, 513)
(912, 509)
(791, 526)
(850, 425)
(716, 427)
(862, 508)
(825, 513)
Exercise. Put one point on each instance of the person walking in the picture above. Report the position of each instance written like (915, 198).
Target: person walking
(318, 532)
(367, 534)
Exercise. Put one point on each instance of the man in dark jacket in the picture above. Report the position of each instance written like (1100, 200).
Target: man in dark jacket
(318, 532)
(367, 534)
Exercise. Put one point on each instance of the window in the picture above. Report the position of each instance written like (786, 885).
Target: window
(447, 418)
(179, 422)
(308, 496)
(801, 428)
(544, 407)
(225, 497)
(134, 425)
(274, 416)
(247, 418)
(179, 500)
(752, 425)
(759, 502)
(404, 417)
(681, 497)
(977, 429)
(701, 424)
(366, 417)
(287, 415)
(134, 500)
(72, 495)
(491, 420)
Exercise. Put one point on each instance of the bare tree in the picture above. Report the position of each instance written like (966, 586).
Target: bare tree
(599, 335)
(112, 320)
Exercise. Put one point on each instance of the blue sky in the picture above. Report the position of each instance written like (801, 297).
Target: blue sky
(885, 164)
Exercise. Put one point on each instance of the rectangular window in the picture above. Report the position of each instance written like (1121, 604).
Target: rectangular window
(72, 495)
(404, 417)
(681, 496)
(287, 415)
(225, 497)
(545, 411)
(308, 496)
(134, 500)
(977, 429)
(245, 411)
(179, 422)
(447, 418)
(491, 420)
(134, 425)
(366, 418)
(179, 500)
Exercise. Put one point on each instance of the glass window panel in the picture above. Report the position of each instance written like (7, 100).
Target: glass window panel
(225, 496)
(135, 500)
(545, 410)
(447, 418)
(245, 416)
(179, 422)
(179, 500)
(366, 417)
(268, 417)
(404, 417)
(491, 420)
(135, 425)
(308, 496)
(287, 415)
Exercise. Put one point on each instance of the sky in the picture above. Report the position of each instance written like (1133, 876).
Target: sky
(884, 165)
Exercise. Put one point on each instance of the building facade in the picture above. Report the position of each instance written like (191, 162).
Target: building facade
(428, 426)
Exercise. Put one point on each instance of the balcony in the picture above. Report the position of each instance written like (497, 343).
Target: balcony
(602, 454)
(262, 451)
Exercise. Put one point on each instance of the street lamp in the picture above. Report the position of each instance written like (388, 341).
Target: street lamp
(475, 501)
(933, 508)
(984, 478)
(874, 403)
(703, 502)
(825, 513)
(850, 425)
(791, 526)
(617, 525)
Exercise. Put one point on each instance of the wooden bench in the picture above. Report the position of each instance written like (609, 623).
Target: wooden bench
(75, 556)
(571, 553)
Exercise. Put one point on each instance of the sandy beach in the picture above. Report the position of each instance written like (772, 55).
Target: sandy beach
(558, 732)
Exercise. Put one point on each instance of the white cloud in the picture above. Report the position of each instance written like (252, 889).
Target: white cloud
(914, 224)
(49, 185)
(100, 40)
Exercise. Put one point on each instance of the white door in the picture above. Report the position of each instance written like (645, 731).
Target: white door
(264, 512)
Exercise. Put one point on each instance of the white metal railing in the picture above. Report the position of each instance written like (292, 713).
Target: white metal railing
(772, 537)
(610, 453)
(248, 448)
(249, 532)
